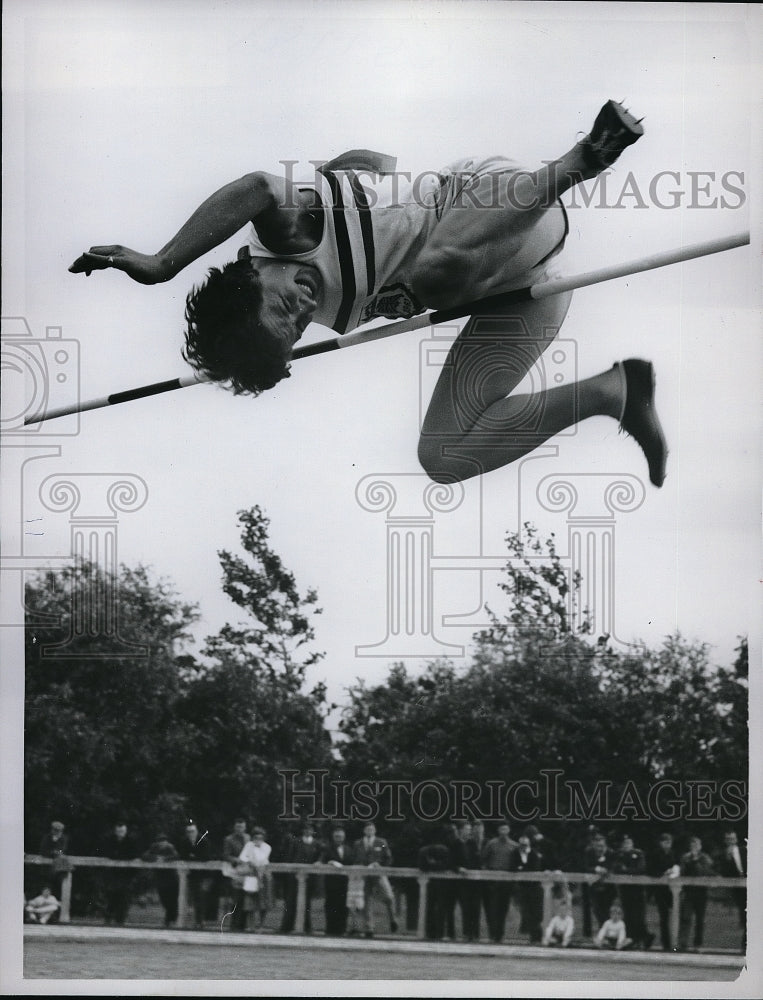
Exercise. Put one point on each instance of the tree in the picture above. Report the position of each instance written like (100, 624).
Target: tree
(248, 708)
(538, 697)
(101, 727)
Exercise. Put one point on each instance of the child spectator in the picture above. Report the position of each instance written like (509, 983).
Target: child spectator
(42, 908)
(561, 927)
(254, 859)
(612, 932)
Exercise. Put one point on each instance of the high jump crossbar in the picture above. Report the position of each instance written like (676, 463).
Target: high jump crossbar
(541, 290)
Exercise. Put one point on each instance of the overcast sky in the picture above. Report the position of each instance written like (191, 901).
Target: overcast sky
(124, 123)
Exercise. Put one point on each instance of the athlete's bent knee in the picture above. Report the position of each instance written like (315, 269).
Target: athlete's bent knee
(435, 464)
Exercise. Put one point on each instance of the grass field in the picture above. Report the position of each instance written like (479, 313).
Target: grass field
(160, 960)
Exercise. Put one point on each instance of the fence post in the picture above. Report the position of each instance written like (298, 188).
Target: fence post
(421, 930)
(182, 896)
(547, 904)
(301, 901)
(66, 898)
(675, 915)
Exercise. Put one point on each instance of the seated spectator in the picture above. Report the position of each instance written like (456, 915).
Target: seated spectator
(694, 864)
(233, 845)
(166, 879)
(193, 847)
(42, 909)
(304, 851)
(612, 933)
(374, 852)
(598, 859)
(119, 846)
(629, 860)
(560, 928)
(55, 845)
(257, 883)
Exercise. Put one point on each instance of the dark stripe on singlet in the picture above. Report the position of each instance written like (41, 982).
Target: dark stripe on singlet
(366, 229)
(346, 266)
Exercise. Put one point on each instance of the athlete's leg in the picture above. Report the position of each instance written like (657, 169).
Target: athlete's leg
(472, 425)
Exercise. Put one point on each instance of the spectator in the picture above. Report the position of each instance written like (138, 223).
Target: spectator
(496, 857)
(166, 879)
(119, 845)
(436, 856)
(336, 854)
(55, 845)
(467, 858)
(483, 888)
(257, 886)
(694, 864)
(544, 850)
(731, 862)
(662, 862)
(529, 894)
(591, 833)
(233, 845)
(597, 860)
(374, 852)
(560, 928)
(612, 933)
(629, 860)
(42, 909)
(304, 851)
(193, 847)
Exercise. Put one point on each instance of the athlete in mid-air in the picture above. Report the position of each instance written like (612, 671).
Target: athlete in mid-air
(362, 241)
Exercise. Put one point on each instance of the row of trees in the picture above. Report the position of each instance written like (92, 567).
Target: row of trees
(166, 736)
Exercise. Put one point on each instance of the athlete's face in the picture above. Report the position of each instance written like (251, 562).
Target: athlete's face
(290, 296)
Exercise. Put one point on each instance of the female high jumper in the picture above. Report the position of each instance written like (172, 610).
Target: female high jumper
(362, 241)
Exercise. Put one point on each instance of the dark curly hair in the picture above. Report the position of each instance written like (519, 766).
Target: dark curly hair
(224, 338)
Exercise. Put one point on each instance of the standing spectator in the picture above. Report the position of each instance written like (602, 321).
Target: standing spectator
(470, 891)
(731, 862)
(591, 833)
(42, 909)
(496, 857)
(254, 862)
(662, 862)
(374, 852)
(529, 894)
(304, 851)
(166, 879)
(336, 854)
(597, 860)
(119, 845)
(193, 847)
(233, 845)
(561, 927)
(612, 933)
(629, 860)
(55, 845)
(483, 888)
(694, 864)
(436, 856)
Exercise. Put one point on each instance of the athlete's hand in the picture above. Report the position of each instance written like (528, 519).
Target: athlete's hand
(147, 269)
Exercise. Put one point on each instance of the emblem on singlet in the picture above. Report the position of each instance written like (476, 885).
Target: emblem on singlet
(392, 302)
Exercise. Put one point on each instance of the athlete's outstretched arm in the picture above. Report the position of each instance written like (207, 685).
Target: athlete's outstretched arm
(213, 222)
